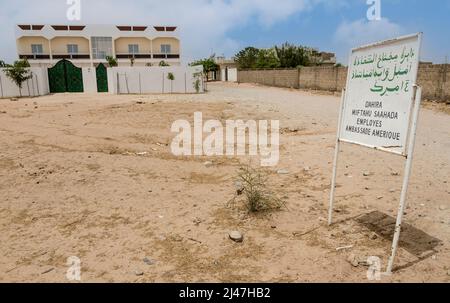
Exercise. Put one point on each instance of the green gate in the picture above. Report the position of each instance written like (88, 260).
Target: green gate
(102, 78)
(65, 77)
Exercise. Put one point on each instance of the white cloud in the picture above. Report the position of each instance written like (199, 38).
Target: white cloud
(204, 24)
(360, 32)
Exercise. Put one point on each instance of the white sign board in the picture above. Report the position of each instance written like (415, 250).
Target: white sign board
(379, 94)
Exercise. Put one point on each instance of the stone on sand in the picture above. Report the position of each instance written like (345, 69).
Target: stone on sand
(236, 236)
(353, 260)
(283, 172)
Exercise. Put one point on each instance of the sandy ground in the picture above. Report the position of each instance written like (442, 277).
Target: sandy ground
(73, 182)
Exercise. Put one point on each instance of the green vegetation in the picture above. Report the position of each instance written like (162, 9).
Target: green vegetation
(163, 63)
(209, 65)
(18, 73)
(171, 77)
(251, 184)
(284, 56)
(247, 58)
(112, 62)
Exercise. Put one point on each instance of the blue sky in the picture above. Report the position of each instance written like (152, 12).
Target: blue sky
(225, 26)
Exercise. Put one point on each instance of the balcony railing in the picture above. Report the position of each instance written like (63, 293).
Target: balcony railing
(135, 56)
(87, 56)
(147, 56)
(166, 56)
(34, 56)
(71, 56)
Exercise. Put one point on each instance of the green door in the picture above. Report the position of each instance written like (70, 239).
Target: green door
(74, 76)
(57, 78)
(65, 77)
(102, 79)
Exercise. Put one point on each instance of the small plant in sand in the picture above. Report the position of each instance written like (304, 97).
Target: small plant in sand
(252, 191)
(171, 77)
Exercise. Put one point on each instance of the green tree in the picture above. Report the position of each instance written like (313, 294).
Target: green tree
(19, 73)
(171, 77)
(292, 56)
(209, 65)
(112, 62)
(247, 58)
(2, 64)
(267, 58)
(163, 63)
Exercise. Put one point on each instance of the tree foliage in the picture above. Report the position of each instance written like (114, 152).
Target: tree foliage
(18, 73)
(285, 56)
(209, 65)
(2, 64)
(292, 56)
(247, 58)
(267, 58)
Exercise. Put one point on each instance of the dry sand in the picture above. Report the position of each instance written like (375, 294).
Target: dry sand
(71, 184)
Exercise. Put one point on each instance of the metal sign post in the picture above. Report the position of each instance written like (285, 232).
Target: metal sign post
(409, 160)
(336, 158)
(380, 96)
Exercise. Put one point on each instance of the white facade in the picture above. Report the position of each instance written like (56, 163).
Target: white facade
(148, 80)
(37, 85)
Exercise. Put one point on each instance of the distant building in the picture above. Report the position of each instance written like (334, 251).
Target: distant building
(227, 69)
(89, 45)
(328, 58)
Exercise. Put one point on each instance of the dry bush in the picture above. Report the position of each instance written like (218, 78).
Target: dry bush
(252, 191)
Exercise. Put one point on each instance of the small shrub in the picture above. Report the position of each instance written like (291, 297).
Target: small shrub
(171, 77)
(251, 185)
(163, 63)
(112, 62)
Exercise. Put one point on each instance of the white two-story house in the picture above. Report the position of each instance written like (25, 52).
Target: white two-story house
(89, 45)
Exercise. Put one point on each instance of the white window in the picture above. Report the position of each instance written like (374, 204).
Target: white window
(72, 48)
(166, 49)
(37, 49)
(101, 47)
(133, 48)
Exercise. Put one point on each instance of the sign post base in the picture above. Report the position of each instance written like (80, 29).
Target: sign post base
(409, 160)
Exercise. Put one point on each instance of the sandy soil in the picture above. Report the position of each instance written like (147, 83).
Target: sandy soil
(73, 182)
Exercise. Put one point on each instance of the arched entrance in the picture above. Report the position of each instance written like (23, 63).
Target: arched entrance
(65, 77)
(102, 78)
